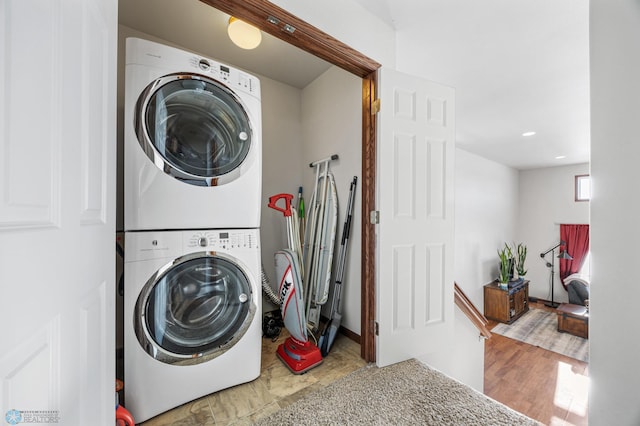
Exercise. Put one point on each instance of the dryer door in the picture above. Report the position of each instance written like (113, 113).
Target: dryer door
(194, 129)
(194, 309)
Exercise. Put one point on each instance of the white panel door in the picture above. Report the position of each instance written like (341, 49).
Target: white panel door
(415, 236)
(57, 211)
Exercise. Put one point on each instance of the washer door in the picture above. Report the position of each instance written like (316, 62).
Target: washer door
(194, 309)
(193, 128)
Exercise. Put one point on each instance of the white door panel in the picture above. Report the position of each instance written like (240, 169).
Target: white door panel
(415, 234)
(57, 210)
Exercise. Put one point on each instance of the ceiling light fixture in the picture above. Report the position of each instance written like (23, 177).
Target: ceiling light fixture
(560, 157)
(243, 35)
(526, 134)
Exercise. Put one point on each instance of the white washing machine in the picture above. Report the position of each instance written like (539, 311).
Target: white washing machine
(192, 141)
(192, 315)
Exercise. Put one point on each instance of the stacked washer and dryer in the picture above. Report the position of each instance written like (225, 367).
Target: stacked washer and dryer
(192, 304)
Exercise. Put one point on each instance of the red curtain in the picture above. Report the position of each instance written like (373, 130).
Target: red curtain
(576, 238)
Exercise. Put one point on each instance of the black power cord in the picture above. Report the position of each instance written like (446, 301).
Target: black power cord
(272, 325)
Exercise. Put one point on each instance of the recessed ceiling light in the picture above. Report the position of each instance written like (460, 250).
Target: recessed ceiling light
(560, 157)
(525, 134)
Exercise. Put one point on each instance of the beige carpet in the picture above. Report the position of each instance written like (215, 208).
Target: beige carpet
(540, 328)
(408, 393)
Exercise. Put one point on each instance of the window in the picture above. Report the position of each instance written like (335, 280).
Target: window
(586, 265)
(583, 188)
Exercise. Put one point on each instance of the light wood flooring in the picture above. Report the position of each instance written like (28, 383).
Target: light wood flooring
(541, 384)
(276, 388)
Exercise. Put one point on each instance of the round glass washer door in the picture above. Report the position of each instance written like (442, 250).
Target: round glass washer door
(194, 309)
(193, 128)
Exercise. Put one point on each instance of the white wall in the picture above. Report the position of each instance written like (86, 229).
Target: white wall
(547, 200)
(332, 124)
(282, 168)
(615, 209)
(485, 217)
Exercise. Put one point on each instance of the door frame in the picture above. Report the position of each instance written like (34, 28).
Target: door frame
(312, 40)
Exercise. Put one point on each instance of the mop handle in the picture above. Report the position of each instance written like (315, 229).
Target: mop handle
(300, 204)
(287, 203)
(347, 224)
(342, 255)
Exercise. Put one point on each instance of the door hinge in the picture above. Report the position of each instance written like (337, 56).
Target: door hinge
(374, 217)
(376, 328)
(375, 106)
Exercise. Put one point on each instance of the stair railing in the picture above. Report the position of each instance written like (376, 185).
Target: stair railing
(470, 310)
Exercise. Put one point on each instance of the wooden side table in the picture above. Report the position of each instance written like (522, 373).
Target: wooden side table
(573, 319)
(506, 305)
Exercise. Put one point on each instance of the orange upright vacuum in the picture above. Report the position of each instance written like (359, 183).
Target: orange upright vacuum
(297, 352)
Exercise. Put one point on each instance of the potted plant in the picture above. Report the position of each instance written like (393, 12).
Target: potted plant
(521, 256)
(506, 259)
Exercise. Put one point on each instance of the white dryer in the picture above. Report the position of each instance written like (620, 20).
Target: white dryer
(192, 315)
(193, 141)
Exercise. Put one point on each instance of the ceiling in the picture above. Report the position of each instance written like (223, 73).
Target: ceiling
(205, 31)
(517, 66)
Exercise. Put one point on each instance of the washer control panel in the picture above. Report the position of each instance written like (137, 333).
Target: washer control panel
(222, 239)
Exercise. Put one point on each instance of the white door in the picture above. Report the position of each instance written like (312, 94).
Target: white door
(415, 236)
(57, 211)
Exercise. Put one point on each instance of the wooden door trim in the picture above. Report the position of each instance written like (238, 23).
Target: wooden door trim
(368, 241)
(318, 43)
(304, 36)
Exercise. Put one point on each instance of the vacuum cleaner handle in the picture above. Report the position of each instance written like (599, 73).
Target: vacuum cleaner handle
(287, 203)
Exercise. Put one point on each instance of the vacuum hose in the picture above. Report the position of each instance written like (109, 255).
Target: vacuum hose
(266, 288)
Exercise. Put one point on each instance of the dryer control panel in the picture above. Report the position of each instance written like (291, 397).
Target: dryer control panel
(233, 78)
(149, 53)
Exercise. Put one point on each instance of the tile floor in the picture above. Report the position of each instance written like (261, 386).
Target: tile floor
(276, 388)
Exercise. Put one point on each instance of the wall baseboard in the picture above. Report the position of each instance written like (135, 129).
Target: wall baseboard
(350, 334)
